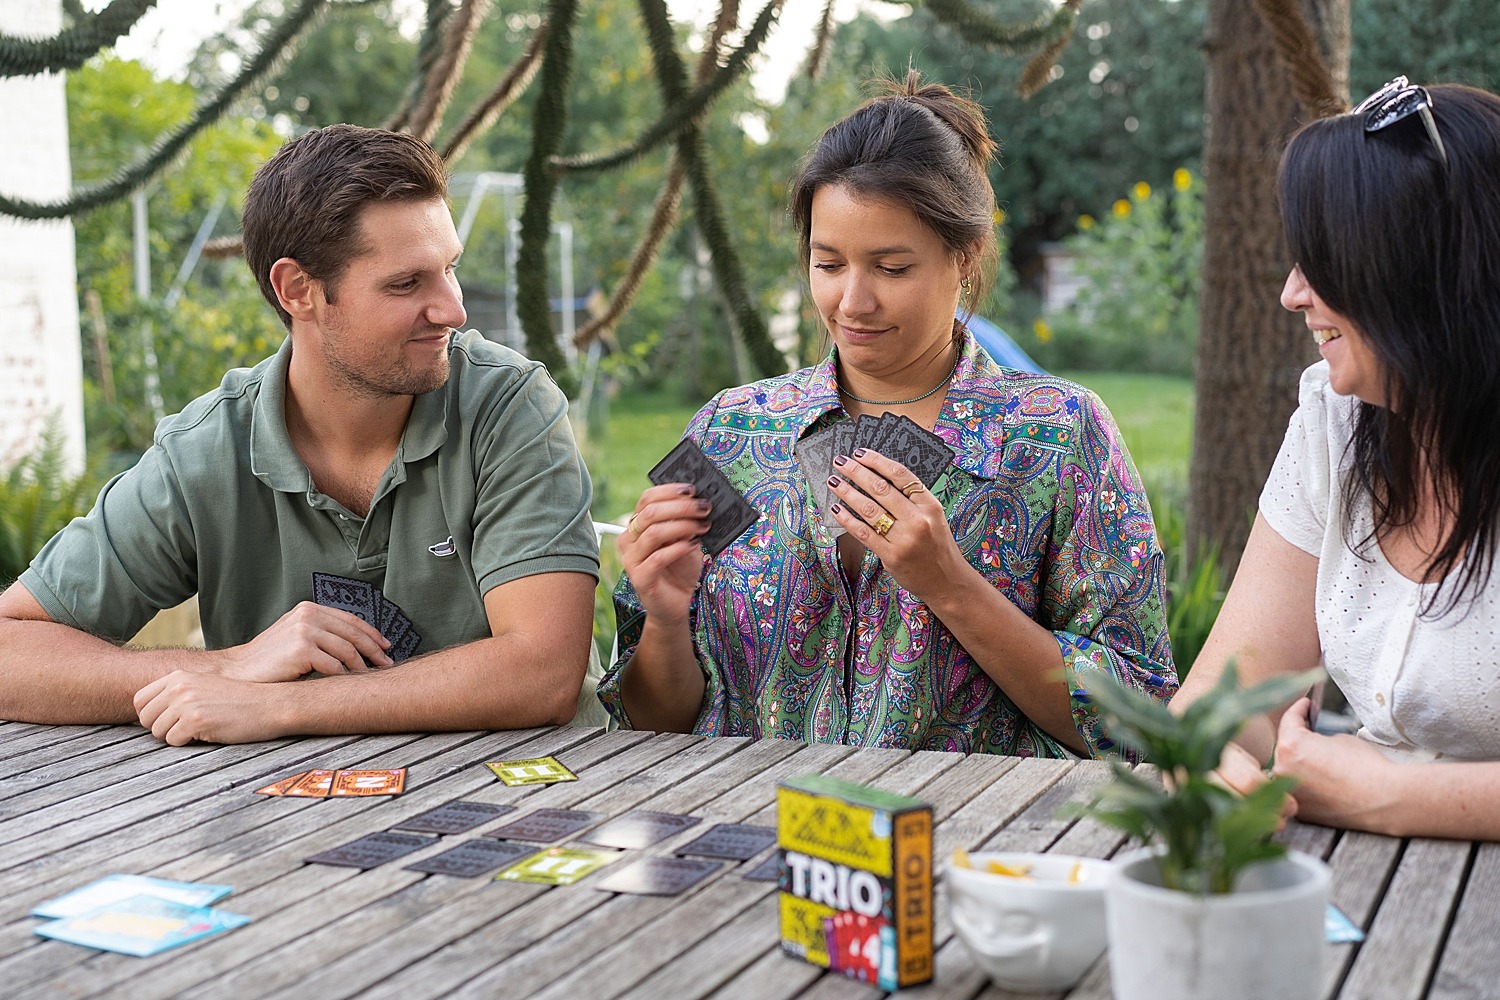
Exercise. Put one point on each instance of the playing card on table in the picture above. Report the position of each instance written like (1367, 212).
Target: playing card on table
(558, 865)
(735, 841)
(388, 782)
(354, 596)
(473, 857)
(531, 771)
(280, 787)
(730, 515)
(769, 870)
(454, 817)
(114, 888)
(640, 828)
(313, 784)
(658, 876)
(546, 825)
(372, 850)
(141, 925)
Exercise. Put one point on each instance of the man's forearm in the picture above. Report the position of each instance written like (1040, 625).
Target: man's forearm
(52, 673)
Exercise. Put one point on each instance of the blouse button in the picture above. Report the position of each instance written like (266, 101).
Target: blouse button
(1379, 698)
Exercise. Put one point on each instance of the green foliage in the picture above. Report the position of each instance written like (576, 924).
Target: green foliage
(1141, 269)
(1195, 585)
(1209, 834)
(37, 498)
(221, 322)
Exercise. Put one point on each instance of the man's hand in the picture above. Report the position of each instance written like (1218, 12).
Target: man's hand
(1341, 780)
(185, 706)
(309, 638)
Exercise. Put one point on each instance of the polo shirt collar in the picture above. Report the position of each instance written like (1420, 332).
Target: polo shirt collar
(276, 463)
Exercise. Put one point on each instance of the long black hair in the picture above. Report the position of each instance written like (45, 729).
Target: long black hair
(1409, 251)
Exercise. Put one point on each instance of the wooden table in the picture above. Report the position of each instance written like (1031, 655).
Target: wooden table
(77, 803)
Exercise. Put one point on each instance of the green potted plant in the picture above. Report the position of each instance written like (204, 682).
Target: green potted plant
(1213, 905)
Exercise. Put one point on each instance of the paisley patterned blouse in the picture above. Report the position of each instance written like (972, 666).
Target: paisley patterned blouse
(1044, 501)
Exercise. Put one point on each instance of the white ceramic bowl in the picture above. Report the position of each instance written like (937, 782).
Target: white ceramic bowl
(1031, 934)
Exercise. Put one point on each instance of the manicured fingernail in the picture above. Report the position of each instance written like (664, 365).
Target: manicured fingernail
(840, 460)
(701, 506)
(837, 508)
(685, 491)
(860, 452)
(834, 480)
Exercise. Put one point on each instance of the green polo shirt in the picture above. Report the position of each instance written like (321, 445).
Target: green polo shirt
(486, 487)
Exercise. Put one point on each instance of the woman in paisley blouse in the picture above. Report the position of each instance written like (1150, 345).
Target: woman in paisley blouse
(966, 618)
(1375, 545)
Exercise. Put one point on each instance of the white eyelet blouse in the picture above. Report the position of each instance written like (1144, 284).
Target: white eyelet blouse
(1422, 688)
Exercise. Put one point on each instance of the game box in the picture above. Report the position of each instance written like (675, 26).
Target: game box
(855, 882)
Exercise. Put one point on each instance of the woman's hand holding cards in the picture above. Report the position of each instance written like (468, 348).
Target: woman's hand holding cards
(871, 492)
(660, 551)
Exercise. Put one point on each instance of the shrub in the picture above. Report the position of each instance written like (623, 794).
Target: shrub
(37, 498)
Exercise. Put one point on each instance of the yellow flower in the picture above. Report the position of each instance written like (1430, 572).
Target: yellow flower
(1085, 222)
(1141, 191)
(1042, 330)
(1181, 179)
(1121, 209)
(1000, 216)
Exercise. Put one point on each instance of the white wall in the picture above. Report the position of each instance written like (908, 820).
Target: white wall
(41, 367)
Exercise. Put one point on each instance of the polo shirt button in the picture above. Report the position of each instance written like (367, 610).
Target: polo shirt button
(343, 517)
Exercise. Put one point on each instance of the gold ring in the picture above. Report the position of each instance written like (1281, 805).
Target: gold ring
(912, 488)
(883, 524)
(630, 525)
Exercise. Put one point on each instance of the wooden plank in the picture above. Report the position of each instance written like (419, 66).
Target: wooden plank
(1362, 864)
(1403, 944)
(1470, 966)
(276, 877)
(44, 959)
(505, 917)
(81, 758)
(48, 738)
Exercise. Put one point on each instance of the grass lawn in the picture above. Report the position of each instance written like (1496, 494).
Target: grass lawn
(1155, 414)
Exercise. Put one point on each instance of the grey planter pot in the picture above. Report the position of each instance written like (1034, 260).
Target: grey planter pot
(1263, 940)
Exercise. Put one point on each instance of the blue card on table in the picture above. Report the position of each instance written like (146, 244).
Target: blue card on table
(114, 888)
(141, 925)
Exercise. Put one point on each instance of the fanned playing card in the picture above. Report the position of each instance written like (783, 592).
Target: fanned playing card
(354, 596)
(925, 454)
(280, 787)
(659, 876)
(640, 828)
(815, 457)
(735, 841)
(473, 857)
(730, 515)
(314, 784)
(372, 850)
(454, 817)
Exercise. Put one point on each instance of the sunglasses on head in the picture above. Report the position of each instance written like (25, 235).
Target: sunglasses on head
(1399, 100)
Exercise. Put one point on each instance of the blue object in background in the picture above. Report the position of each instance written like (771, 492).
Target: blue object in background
(1005, 351)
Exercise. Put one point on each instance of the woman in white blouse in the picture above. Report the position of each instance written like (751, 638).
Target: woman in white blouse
(1375, 543)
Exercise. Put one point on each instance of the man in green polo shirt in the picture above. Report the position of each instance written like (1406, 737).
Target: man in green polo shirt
(382, 487)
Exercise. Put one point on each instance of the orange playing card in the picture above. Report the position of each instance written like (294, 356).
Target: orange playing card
(280, 787)
(312, 785)
(369, 782)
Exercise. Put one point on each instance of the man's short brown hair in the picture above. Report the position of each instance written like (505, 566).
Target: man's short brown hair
(305, 201)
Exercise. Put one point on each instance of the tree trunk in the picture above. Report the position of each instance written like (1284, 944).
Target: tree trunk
(1250, 350)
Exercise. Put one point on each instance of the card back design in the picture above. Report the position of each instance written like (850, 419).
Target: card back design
(141, 925)
(546, 825)
(473, 857)
(354, 596)
(372, 850)
(454, 817)
(735, 841)
(116, 888)
(731, 515)
(659, 876)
